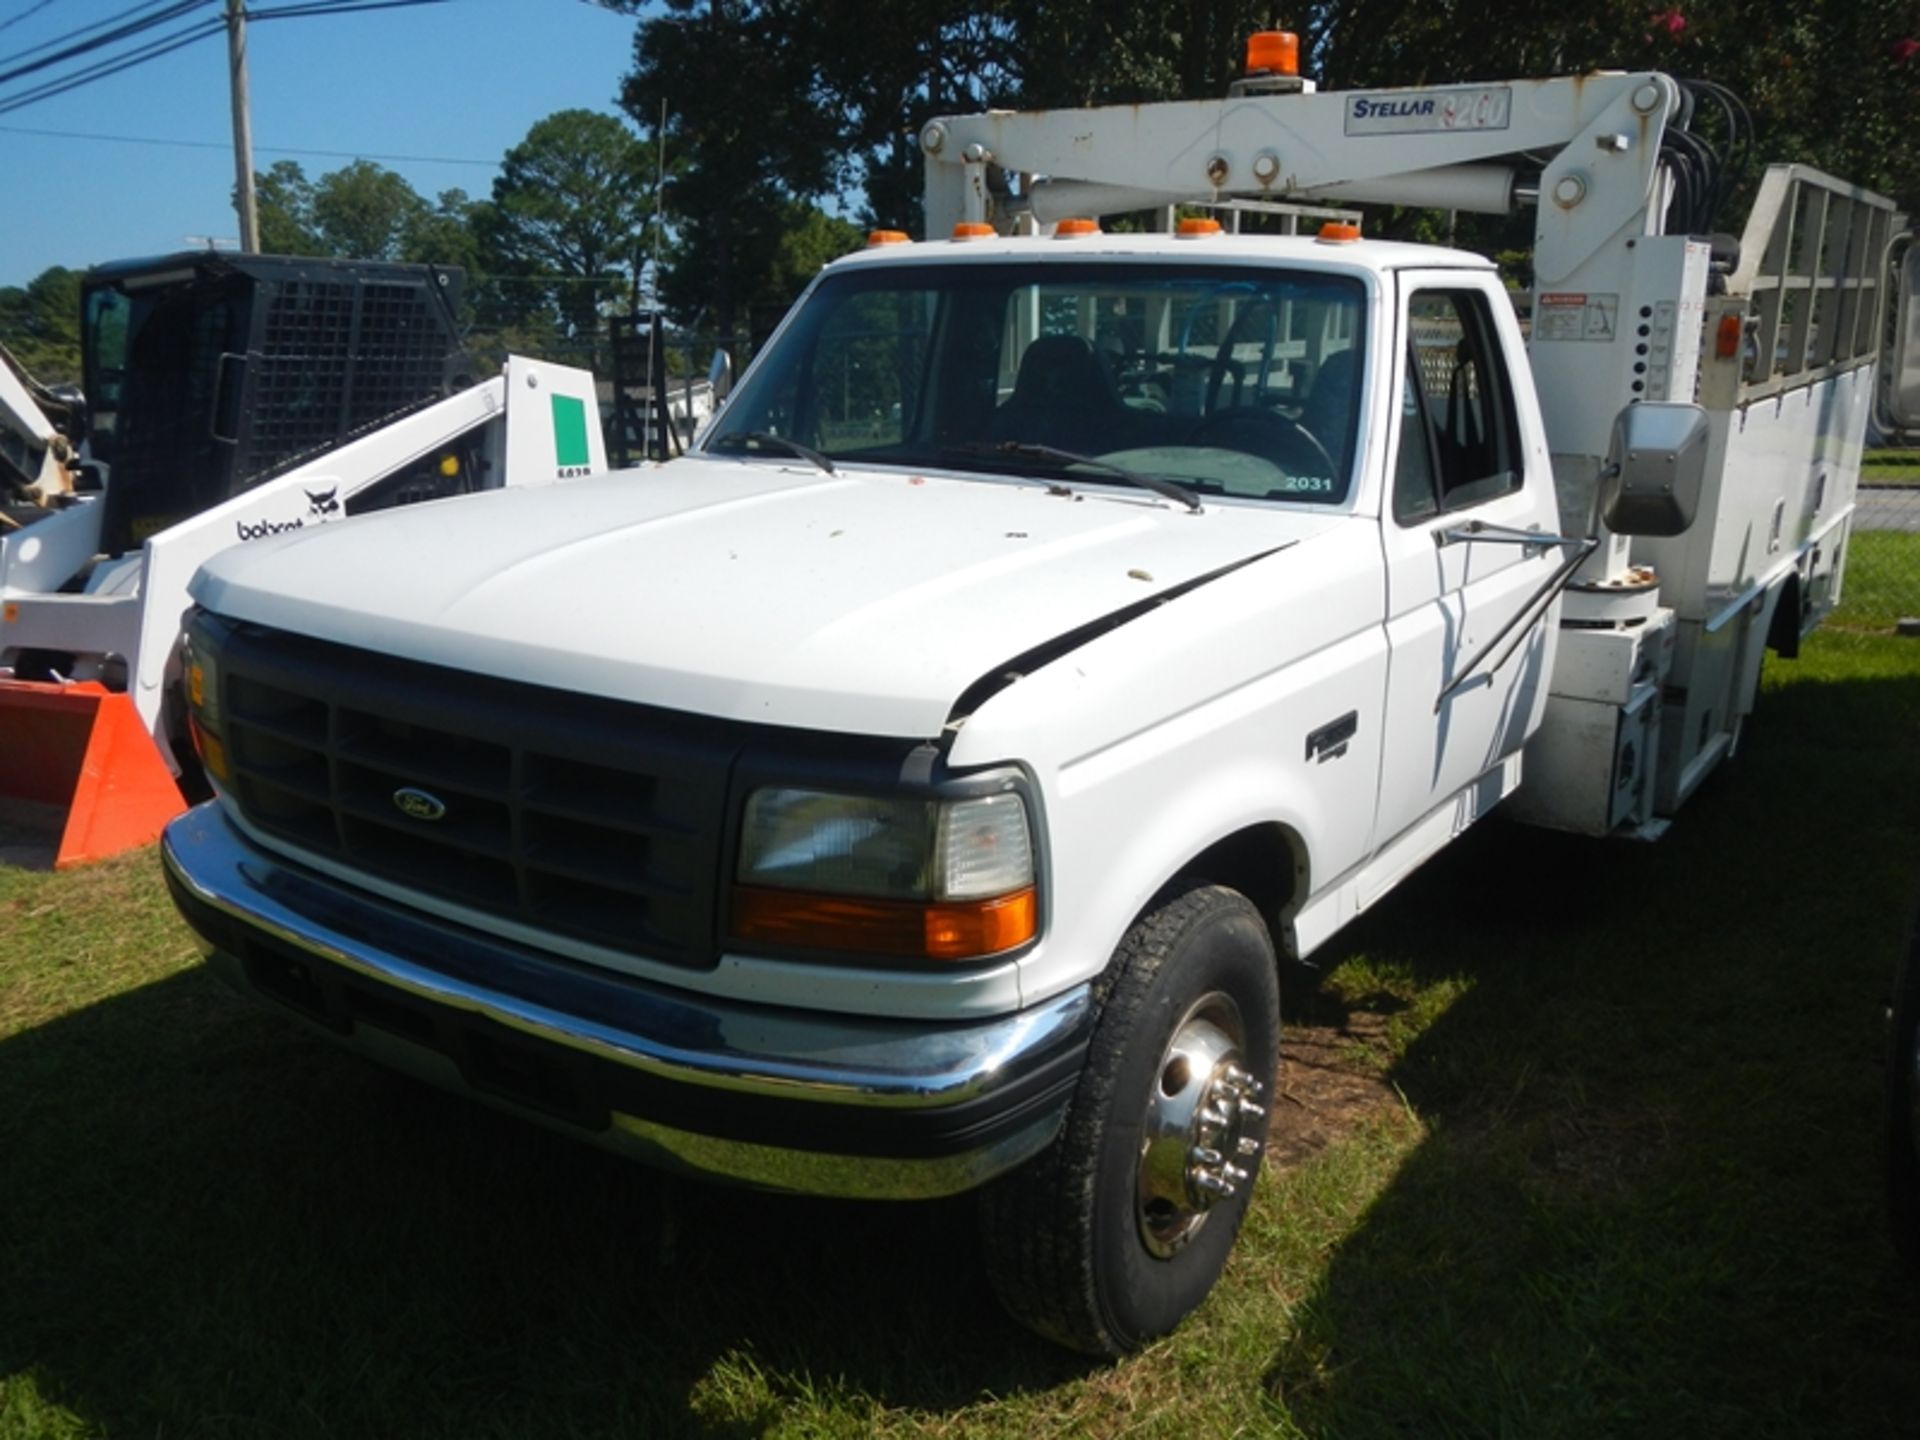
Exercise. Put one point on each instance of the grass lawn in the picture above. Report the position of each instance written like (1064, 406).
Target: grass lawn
(1890, 467)
(1575, 1140)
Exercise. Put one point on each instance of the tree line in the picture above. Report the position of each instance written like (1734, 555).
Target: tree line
(769, 102)
(789, 128)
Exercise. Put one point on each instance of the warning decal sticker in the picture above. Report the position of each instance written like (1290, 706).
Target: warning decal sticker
(1561, 316)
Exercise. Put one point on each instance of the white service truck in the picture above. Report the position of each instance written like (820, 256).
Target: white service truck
(912, 790)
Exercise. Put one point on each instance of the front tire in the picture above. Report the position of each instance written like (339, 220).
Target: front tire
(1116, 1233)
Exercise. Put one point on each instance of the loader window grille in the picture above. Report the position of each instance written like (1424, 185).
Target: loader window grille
(402, 351)
(335, 357)
(303, 373)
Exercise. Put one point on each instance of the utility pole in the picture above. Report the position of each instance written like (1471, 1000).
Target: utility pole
(242, 128)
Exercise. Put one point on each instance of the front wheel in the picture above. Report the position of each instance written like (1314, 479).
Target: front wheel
(1117, 1232)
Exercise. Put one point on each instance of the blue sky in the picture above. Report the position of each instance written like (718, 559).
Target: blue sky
(460, 81)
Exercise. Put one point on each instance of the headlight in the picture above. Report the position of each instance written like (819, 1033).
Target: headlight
(901, 875)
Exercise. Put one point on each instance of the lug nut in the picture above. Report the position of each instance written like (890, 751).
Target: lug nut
(1249, 1147)
(1201, 1155)
(1251, 1111)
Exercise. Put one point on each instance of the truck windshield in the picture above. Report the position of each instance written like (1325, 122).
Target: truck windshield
(1235, 381)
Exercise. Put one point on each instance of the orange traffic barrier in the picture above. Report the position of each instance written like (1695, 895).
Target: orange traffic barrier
(82, 748)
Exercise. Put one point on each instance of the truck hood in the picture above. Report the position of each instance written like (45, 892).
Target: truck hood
(860, 603)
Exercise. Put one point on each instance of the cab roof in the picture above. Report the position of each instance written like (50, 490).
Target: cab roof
(1376, 256)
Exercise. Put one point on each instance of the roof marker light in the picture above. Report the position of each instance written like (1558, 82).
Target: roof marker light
(1197, 228)
(1079, 225)
(1338, 232)
(886, 237)
(972, 230)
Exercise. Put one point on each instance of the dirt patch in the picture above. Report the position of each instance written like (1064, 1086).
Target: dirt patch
(1331, 1080)
(1600, 1150)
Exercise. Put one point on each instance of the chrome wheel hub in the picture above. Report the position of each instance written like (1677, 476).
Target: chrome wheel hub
(1204, 1126)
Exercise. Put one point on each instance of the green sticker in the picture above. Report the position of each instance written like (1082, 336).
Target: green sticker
(569, 431)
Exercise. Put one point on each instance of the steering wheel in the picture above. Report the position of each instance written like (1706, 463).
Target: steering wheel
(1222, 366)
(1245, 330)
(1269, 435)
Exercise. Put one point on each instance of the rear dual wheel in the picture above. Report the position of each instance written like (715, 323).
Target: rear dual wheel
(1117, 1232)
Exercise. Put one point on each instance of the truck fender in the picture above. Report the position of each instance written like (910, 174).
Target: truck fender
(1210, 831)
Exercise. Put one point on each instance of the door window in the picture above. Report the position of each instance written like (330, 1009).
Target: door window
(1459, 441)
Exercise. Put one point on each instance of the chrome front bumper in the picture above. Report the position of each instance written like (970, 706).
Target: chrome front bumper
(780, 1098)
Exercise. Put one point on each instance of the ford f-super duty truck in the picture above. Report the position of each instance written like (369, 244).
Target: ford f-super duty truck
(913, 790)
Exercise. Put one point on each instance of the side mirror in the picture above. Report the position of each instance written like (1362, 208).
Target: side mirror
(720, 375)
(1655, 469)
(1902, 360)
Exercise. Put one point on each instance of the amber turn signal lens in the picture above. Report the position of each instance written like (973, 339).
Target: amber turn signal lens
(1277, 52)
(911, 929)
(213, 755)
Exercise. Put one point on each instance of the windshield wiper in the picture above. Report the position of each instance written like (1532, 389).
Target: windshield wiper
(1166, 488)
(779, 442)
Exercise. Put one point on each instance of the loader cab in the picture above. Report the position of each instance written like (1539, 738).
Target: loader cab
(209, 373)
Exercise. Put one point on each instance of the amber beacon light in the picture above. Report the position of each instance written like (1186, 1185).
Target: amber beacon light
(1273, 52)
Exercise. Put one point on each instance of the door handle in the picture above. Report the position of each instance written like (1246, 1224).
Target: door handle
(1330, 742)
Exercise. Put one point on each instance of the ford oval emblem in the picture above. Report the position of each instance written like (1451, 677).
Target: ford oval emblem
(418, 804)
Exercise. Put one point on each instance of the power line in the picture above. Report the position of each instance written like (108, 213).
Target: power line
(336, 7)
(34, 9)
(114, 66)
(154, 50)
(62, 39)
(265, 149)
(173, 11)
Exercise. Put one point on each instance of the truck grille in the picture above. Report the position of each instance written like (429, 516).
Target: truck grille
(583, 817)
